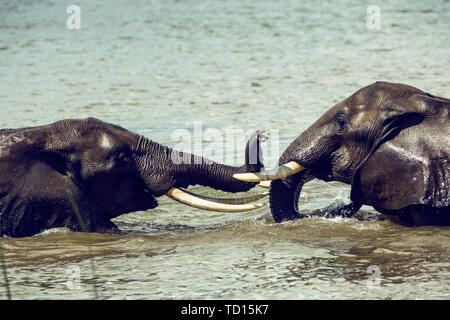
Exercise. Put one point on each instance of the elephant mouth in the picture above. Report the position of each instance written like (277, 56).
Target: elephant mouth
(286, 182)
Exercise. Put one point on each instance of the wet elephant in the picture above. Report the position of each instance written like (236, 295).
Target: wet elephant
(80, 174)
(389, 141)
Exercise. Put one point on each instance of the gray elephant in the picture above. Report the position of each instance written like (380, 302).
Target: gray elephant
(390, 142)
(80, 174)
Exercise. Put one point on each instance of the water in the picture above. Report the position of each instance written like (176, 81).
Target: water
(156, 67)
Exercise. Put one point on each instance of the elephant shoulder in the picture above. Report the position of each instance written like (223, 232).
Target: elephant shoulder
(412, 168)
(35, 196)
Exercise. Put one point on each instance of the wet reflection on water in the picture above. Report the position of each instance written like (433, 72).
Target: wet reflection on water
(308, 259)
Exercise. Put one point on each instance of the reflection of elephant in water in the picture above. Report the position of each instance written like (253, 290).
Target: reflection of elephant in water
(49, 173)
(391, 142)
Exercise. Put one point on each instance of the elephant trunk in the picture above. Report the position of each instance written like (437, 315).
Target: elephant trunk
(205, 172)
(285, 192)
(301, 162)
(211, 174)
(284, 196)
(163, 168)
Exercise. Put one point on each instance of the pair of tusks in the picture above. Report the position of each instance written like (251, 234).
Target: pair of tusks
(236, 204)
(216, 204)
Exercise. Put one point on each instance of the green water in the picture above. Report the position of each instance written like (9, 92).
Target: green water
(155, 67)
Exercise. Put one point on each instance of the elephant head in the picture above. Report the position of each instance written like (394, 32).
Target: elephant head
(391, 142)
(104, 171)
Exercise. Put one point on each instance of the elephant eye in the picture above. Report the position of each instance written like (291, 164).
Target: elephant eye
(340, 121)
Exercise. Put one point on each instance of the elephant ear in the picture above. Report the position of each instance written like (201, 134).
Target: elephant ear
(411, 165)
(37, 144)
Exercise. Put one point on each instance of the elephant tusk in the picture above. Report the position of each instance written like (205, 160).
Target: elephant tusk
(242, 200)
(264, 184)
(283, 171)
(199, 203)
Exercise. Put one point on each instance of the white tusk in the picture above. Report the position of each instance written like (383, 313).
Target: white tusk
(264, 184)
(193, 201)
(283, 171)
(242, 200)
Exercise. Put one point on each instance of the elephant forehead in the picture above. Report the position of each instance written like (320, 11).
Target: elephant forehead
(105, 142)
(13, 139)
(7, 143)
(421, 106)
(359, 117)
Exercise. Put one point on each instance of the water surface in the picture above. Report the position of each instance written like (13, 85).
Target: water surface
(157, 66)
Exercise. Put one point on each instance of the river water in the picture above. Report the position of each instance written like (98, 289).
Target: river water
(158, 67)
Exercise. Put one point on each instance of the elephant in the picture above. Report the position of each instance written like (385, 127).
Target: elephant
(389, 141)
(81, 173)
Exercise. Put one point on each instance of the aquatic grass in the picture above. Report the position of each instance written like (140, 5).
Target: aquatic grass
(5, 273)
(91, 257)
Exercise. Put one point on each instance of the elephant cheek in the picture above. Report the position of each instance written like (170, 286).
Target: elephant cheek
(145, 201)
(342, 168)
(160, 184)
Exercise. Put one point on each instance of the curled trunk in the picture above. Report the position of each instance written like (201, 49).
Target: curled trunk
(285, 193)
(284, 196)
